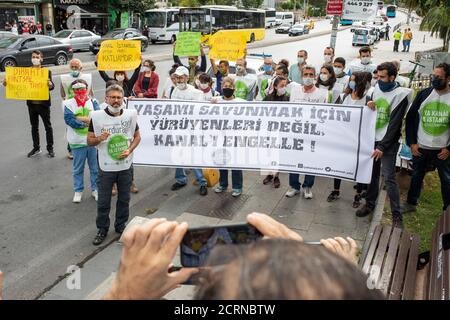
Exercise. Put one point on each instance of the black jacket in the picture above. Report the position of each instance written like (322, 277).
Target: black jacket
(46, 103)
(127, 84)
(274, 97)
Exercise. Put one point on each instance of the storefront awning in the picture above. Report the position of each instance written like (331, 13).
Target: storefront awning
(86, 11)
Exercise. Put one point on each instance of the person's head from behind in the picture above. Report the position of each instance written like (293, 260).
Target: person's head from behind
(302, 56)
(359, 83)
(114, 98)
(308, 75)
(339, 66)
(284, 269)
(441, 76)
(203, 81)
(224, 67)
(37, 58)
(241, 66)
(279, 85)
(284, 62)
(181, 77)
(365, 54)
(396, 64)
(75, 66)
(228, 87)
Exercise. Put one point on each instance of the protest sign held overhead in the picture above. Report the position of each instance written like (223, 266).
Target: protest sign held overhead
(27, 83)
(119, 55)
(227, 45)
(188, 44)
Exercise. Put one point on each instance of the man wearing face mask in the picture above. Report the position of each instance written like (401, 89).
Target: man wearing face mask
(115, 132)
(193, 68)
(245, 83)
(295, 71)
(184, 91)
(429, 136)
(339, 67)
(40, 108)
(306, 93)
(76, 117)
(221, 71)
(391, 101)
(364, 62)
(328, 55)
(263, 78)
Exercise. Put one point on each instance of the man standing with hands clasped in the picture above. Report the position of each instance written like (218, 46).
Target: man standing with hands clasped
(115, 132)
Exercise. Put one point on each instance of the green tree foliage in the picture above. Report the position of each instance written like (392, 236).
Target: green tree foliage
(437, 20)
(251, 3)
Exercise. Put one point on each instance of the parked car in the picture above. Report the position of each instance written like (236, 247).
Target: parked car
(363, 36)
(7, 34)
(298, 30)
(284, 28)
(79, 39)
(16, 51)
(120, 34)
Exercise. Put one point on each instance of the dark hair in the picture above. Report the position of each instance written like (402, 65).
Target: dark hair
(306, 52)
(340, 60)
(273, 95)
(446, 67)
(283, 69)
(361, 81)
(331, 80)
(38, 52)
(123, 72)
(283, 269)
(332, 49)
(205, 78)
(284, 62)
(389, 67)
(224, 62)
(365, 49)
(173, 69)
(151, 63)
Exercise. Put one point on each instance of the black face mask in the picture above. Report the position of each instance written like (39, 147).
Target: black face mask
(228, 92)
(438, 83)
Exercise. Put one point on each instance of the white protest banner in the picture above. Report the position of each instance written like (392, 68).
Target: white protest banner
(360, 9)
(319, 139)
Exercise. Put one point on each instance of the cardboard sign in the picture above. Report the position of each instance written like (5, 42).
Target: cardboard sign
(119, 55)
(188, 44)
(27, 83)
(227, 45)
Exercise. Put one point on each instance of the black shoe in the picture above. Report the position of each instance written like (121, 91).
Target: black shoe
(51, 154)
(120, 231)
(334, 195)
(357, 201)
(34, 152)
(397, 222)
(203, 190)
(99, 238)
(268, 179)
(363, 194)
(177, 186)
(363, 212)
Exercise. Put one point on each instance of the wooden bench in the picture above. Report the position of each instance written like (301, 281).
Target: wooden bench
(392, 262)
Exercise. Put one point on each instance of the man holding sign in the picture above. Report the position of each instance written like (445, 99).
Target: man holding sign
(37, 108)
(181, 48)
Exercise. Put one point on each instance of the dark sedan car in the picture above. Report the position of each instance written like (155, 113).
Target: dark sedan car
(120, 34)
(298, 30)
(16, 51)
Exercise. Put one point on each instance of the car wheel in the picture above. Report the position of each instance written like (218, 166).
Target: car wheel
(61, 59)
(173, 39)
(153, 41)
(8, 62)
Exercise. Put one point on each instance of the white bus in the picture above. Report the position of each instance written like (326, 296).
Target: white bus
(284, 18)
(163, 24)
(270, 17)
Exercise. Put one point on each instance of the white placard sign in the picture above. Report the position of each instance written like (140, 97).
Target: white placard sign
(360, 9)
(319, 139)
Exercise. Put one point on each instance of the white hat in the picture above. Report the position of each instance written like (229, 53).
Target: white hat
(182, 71)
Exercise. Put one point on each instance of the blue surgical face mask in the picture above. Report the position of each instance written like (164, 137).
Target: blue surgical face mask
(267, 68)
(75, 73)
(386, 86)
(352, 85)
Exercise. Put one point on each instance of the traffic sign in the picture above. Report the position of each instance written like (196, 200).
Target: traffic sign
(335, 7)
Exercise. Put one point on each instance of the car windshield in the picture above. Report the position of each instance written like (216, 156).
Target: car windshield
(63, 34)
(361, 32)
(114, 34)
(8, 42)
(156, 19)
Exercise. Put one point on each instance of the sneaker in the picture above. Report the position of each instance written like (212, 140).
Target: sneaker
(236, 192)
(219, 189)
(114, 190)
(406, 207)
(307, 193)
(95, 195)
(51, 154)
(203, 190)
(364, 211)
(334, 195)
(268, 179)
(357, 201)
(77, 197)
(69, 156)
(34, 152)
(134, 189)
(177, 186)
(99, 238)
(292, 193)
(276, 182)
(397, 222)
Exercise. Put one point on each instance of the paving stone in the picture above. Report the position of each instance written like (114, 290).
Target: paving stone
(294, 219)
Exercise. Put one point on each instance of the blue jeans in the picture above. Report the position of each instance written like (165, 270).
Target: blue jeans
(295, 183)
(180, 176)
(80, 155)
(420, 165)
(236, 179)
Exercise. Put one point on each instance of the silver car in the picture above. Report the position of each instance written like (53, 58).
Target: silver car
(79, 39)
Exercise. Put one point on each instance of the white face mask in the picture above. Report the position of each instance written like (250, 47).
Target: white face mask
(203, 86)
(327, 58)
(36, 61)
(337, 70)
(115, 110)
(365, 60)
(120, 78)
(300, 60)
(281, 91)
(181, 86)
(323, 77)
(146, 69)
(308, 81)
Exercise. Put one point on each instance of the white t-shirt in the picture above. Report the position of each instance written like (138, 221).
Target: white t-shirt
(207, 96)
(298, 95)
(348, 100)
(343, 81)
(190, 93)
(357, 66)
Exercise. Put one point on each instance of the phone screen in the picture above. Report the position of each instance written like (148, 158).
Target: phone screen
(198, 242)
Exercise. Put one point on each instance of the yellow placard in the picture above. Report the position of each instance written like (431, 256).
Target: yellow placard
(26, 83)
(227, 45)
(119, 55)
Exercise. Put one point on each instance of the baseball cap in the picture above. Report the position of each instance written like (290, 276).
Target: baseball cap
(182, 71)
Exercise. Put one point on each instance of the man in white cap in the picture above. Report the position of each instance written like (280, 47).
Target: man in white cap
(185, 91)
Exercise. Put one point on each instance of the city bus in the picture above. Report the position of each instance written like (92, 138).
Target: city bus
(270, 17)
(210, 19)
(391, 11)
(163, 24)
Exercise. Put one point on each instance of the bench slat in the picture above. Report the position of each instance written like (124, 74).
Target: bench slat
(367, 260)
(409, 286)
(386, 276)
(431, 278)
(400, 267)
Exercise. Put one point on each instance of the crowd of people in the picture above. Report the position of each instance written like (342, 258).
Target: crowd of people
(29, 27)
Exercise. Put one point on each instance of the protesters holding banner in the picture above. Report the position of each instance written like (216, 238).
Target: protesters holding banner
(204, 83)
(184, 91)
(429, 137)
(308, 93)
(357, 94)
(147, 83)
(279, 93)
(295, 71)
(220, 72)
(170, 82)
(339, 69)
(115, 132)
(245, 83)
(364, 61)
(391, 101)
(76, 117)
(121, 77)
(327, 81)
(264, 77)
(193, 68)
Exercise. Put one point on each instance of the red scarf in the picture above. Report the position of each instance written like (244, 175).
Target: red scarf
(81, 97)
